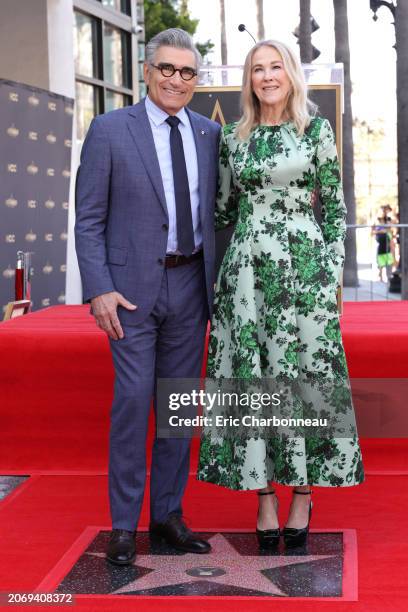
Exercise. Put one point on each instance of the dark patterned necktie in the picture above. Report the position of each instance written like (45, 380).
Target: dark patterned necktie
(185, 233)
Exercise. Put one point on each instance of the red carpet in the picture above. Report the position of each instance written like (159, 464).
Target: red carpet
(56, 381)
(56, 385)
(40, 523)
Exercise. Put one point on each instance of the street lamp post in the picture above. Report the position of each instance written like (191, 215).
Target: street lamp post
(399, 11)
(376, 4)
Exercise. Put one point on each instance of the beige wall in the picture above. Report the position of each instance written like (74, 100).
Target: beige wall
(36, 45)
(24, 42)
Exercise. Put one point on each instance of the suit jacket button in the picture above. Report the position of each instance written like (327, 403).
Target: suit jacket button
(160, 261)
(165, 227)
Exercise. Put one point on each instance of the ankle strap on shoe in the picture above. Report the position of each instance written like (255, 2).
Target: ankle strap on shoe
(266, 492)
(302, 492)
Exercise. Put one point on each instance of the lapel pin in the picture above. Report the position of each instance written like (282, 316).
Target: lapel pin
(202, 132)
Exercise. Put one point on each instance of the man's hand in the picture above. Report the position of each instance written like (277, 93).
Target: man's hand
(104, 309)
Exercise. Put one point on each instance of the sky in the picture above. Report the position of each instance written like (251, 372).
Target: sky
(371, 43)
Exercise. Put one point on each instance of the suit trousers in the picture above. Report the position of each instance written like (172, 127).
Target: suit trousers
(169, 343)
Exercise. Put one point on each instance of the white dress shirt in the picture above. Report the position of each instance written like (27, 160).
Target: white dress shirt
(161, 137)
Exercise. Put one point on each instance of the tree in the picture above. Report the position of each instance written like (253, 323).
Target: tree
(305, 32)
(260, 20)
(171, 14)
(342, 54)
(224, 50)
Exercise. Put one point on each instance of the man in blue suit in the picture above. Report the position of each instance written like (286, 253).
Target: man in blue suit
(146, 250)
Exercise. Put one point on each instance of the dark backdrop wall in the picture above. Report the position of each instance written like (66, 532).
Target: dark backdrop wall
(35, 156)
(222, 104)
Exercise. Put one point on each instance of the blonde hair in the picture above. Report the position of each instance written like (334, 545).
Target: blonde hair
(299, 108)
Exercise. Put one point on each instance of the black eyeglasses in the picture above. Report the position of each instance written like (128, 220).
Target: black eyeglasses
(168, 70)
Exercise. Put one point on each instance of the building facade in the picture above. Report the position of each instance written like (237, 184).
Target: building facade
(89, 50)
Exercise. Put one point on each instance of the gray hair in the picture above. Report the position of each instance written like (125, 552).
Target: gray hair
(173, 37)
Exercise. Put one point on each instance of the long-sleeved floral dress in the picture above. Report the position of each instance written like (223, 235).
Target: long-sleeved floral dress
(275, 310)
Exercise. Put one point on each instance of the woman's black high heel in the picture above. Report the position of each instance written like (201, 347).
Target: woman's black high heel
(297, 537)
(268, 538)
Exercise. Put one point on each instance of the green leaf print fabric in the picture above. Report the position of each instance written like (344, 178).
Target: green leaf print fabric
(275, 310)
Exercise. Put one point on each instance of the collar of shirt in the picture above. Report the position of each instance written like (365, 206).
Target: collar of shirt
(159, 116)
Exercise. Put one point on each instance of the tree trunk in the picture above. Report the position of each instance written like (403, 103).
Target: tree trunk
(224, 51)
(342, 53)
(260, 20)
(305, 32)
(401, 36)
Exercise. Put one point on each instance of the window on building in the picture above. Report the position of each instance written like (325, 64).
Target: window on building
(85, 45)
(114, 100)
(88, 104)
(120, 5)
(116, 56)
(103, 63)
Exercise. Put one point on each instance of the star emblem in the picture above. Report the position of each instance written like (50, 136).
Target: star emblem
(224, 566)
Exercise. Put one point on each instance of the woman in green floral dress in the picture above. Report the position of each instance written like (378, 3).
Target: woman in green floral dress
(276, 311)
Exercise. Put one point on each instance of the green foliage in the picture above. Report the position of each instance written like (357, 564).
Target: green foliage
(171, 14)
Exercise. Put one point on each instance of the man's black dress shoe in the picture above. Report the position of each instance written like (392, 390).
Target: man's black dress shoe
(179, 536)
(121, 547)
